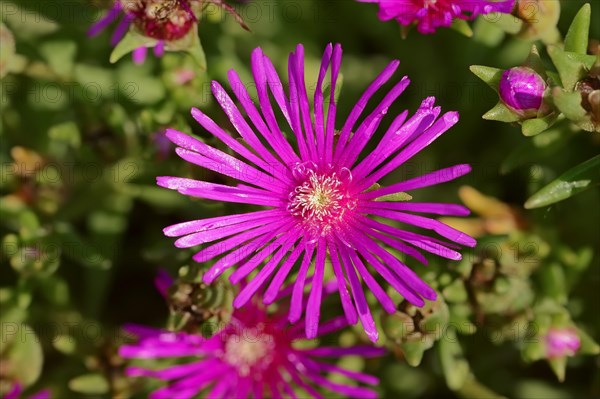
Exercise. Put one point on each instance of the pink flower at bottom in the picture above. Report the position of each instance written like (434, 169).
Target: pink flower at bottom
(255, 355)
(428, 15)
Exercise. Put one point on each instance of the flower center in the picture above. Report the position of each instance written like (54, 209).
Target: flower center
(247, 353)
(162, 19)
(320, 200)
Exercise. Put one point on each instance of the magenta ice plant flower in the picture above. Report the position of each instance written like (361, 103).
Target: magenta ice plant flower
(428, 15)
(324, 208)
(562, 342)
(162, 20)
(255, 355)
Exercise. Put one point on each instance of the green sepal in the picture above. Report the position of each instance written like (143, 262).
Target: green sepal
(462, 27)
(396, 197)
(577, 36)
(491, 76)
(534, 61)
(569, 103)
(501, 113)
(131, 41)
(535, 126)
(558, 366)
(571, 67)
(572, 182)
(190, 44)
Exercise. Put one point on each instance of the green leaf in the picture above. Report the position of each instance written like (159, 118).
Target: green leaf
(501, 113)
(578, 35)
(66, 132)
(454, 365)
(572, 182)
(532, 127)
(491, 76)
(89, 384)
(571, 67)
(131, 41)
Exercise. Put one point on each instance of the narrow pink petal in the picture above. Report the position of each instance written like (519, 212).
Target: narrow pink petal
(318, 102)
(398, 135)
(239, 89)
(347, 304)
(303, 102)
(242, 253)
(313, 307)
(244, 129)
(429, 179)
(106, 20)
(421, 207)
(348, 127)
(338, 352)
(361, 302)
(276, 138)
(293, 105)
(139, 55)
(370, 124)
(400, 246)
(426, 223)
(195, 226)
(347, 390)
(273, 289)
(232, 167)
(331, 113)
(202, 237)
(232, 143)
(295, 311)
(201, 189)
(437, 129)
(379, 293)
(258, 281)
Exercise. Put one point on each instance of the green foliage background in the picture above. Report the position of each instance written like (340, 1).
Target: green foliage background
(96, 215)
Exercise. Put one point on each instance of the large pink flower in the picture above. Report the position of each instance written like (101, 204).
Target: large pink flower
(428, 15)
(322, 200)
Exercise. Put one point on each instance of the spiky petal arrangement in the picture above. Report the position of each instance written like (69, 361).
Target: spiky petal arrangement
(320, 197)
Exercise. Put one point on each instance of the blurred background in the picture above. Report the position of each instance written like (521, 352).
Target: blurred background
(82, 141)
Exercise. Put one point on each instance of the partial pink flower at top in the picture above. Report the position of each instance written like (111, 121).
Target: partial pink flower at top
(17, 391)
(562, 342)
(322, 199)
(163, 20)
(255, 355)
(428, 15)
